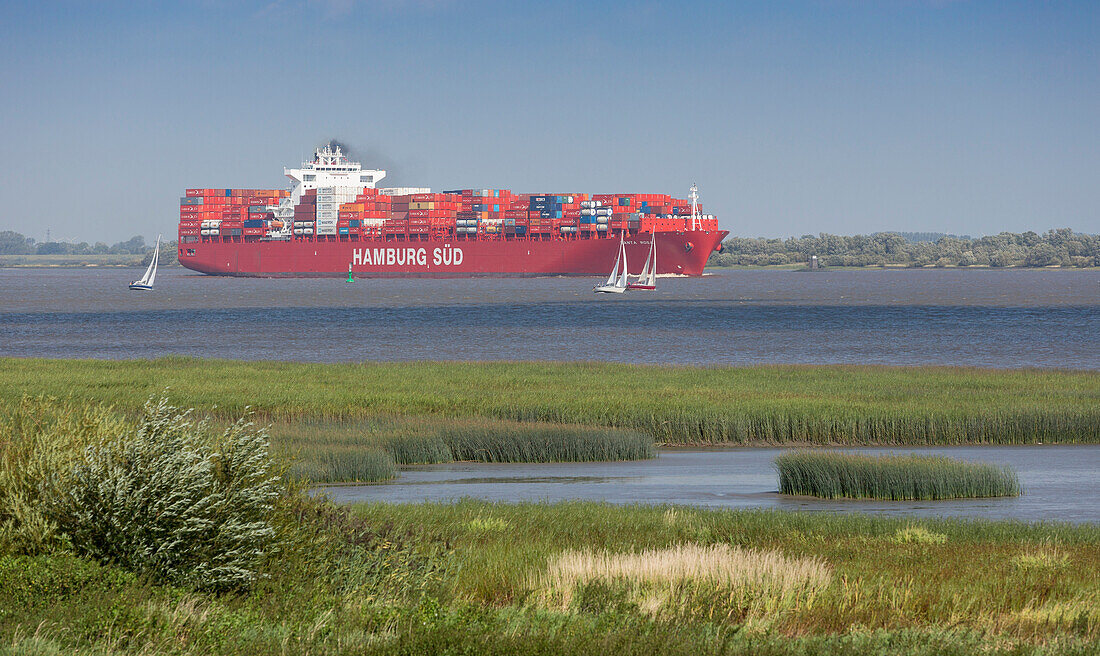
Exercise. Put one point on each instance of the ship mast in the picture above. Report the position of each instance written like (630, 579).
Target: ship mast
(694, 207)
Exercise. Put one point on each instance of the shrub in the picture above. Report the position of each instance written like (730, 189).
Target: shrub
(840, 475)
(172, 503)
(40, 441)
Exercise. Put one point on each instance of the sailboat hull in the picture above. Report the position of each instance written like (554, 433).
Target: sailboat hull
(609, 289)
(141, 287)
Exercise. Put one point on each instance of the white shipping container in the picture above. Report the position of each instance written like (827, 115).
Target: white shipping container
(404, 191)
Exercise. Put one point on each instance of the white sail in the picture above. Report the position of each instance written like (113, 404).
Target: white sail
(622, 282)
(151, 274)
(651, 263)
(649, 271)
(615, 271)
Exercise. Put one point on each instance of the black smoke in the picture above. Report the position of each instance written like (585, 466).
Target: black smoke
(372, 158)
(348, 151)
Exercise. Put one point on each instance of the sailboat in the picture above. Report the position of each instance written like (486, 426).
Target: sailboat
(616, 282)
(146, 282)
(647, 279)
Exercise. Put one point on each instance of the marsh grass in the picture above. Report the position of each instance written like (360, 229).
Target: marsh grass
(369, 449)
(345, 465)
(831, 475)
(468, 578)
(918, 535)
(842, 405)
(545, 443)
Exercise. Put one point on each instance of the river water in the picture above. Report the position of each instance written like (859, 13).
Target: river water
(990, 318)
(1061, 483)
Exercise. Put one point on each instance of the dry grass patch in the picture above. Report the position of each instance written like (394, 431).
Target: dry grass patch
(718, 580)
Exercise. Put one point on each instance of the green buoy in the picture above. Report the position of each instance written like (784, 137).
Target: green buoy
(350, 279)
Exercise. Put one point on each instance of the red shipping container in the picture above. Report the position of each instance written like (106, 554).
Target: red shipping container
(193, 192)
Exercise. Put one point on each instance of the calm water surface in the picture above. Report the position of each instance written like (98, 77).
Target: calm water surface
(949, 317)
(1061, 483)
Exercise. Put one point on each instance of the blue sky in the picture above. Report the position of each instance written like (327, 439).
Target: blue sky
(839, 116)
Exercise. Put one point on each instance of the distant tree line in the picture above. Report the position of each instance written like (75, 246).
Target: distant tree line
(1062, 247)
(14, 243)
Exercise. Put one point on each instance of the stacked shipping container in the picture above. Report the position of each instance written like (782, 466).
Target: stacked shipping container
(226, 213)
(368, 213)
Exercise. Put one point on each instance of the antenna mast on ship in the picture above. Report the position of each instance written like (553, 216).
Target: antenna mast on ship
(694, 207)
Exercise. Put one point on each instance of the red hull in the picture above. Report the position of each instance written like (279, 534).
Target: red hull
(677, 252)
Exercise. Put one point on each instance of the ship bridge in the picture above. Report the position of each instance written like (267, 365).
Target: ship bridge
(330, 168)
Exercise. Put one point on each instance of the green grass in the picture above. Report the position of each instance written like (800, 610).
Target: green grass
(489, 578)
(369, 449)
(843, 405)
(545, 443)
(891, 477)
(466, 578)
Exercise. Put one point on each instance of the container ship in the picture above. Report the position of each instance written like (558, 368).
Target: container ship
(334, 219)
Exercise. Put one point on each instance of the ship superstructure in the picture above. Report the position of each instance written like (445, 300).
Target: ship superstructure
(334, 216)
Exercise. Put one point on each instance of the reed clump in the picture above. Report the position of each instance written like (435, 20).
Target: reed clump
(831, 475)
(371, 449)
(546, 443)
(345, 465)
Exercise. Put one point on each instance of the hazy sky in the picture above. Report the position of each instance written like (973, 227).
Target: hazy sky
(840, 116)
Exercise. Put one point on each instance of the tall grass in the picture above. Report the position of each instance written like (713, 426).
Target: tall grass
(369, 449)
(900, 477)
(841, 405)
(545, 443)
(658, 581)
(344, 465)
